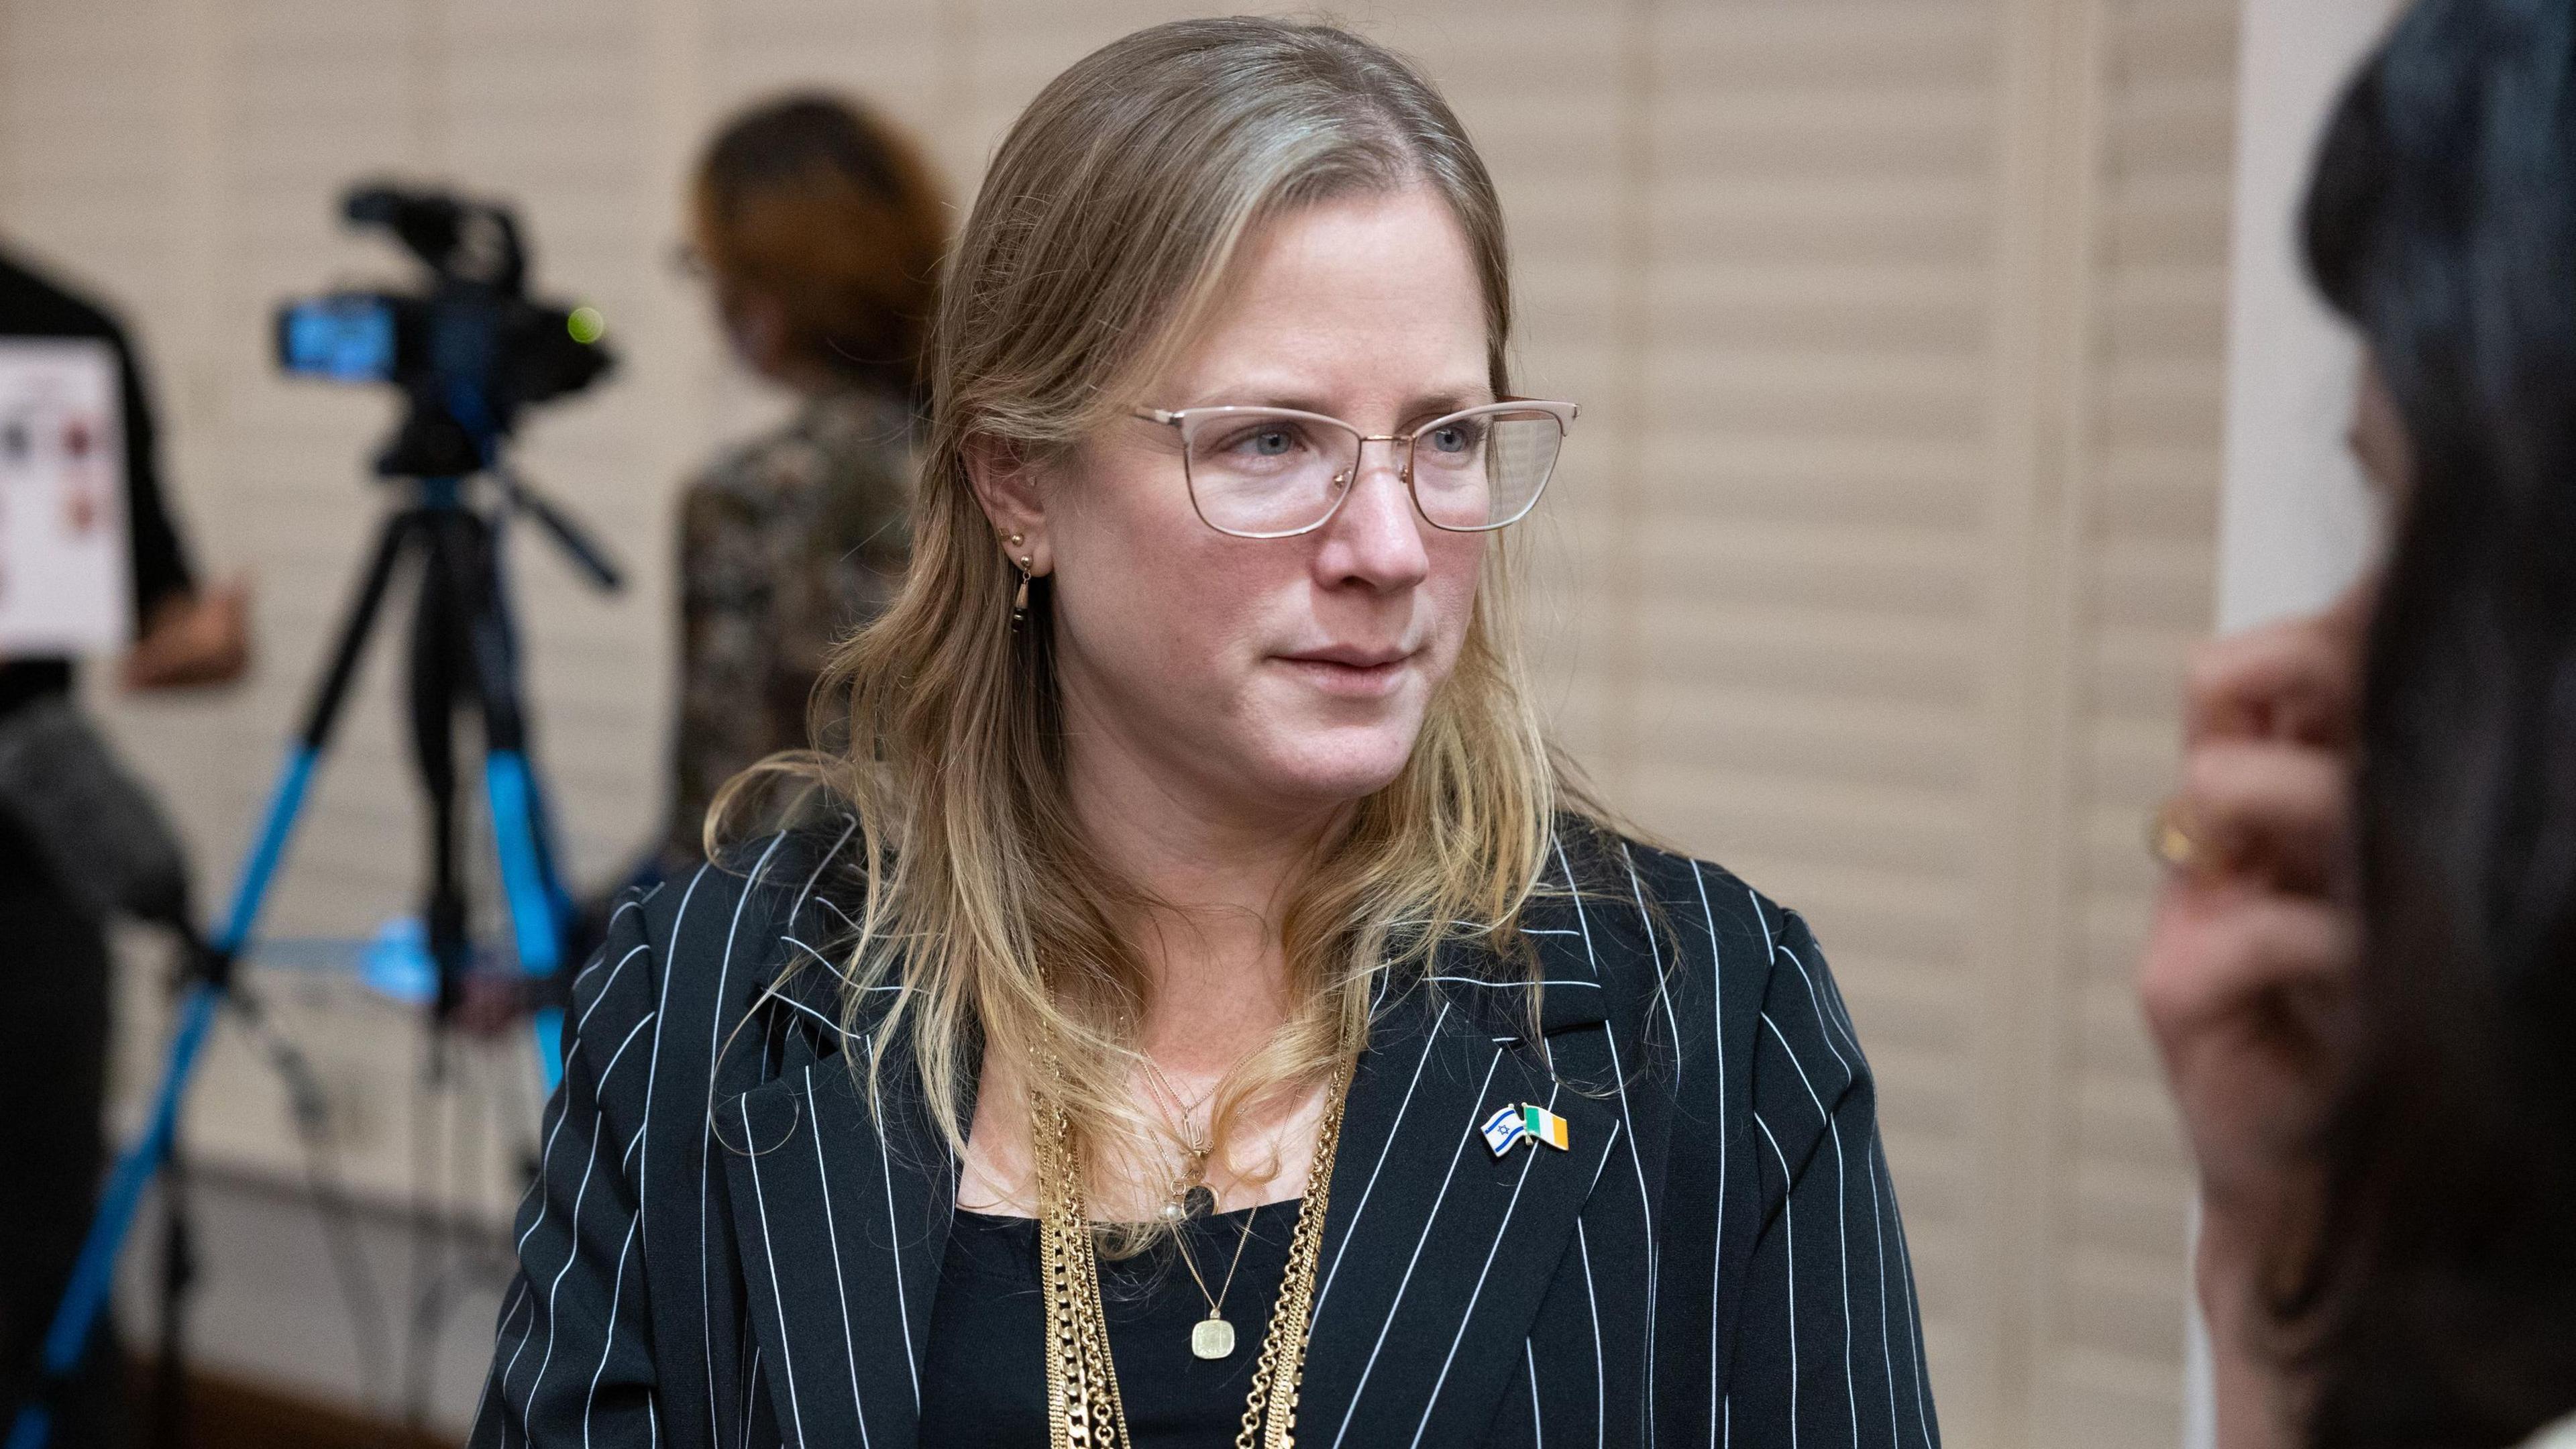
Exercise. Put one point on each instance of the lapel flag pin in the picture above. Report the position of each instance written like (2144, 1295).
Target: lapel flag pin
(1509, 1127)
(1544, 1126)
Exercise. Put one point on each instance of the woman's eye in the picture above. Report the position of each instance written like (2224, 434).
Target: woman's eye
(1454, 438)
(1267, 440)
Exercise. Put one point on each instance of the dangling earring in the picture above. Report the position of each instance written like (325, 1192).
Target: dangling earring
(1020, 600)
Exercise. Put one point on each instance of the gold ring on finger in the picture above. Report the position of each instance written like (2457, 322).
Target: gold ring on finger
(2172, 837)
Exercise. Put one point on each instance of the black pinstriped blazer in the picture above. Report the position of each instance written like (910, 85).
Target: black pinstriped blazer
(725, 1248)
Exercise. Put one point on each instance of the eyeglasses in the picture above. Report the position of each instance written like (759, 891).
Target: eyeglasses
(1278, 472)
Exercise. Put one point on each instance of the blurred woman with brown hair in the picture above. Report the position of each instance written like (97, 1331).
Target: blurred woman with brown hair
(819, 229)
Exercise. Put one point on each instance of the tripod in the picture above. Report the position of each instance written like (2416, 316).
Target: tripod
(463, 655)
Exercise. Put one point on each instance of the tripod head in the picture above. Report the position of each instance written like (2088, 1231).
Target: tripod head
(469, 351)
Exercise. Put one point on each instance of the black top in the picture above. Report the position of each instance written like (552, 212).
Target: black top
(983, 1371)
(33, 306)
(734, 1244)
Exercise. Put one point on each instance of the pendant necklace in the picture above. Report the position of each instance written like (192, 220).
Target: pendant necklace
(1190, 1197)
(1212, 1337)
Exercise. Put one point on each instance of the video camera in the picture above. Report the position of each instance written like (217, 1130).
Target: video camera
(468, 355)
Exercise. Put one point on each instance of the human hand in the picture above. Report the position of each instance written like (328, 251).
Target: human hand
(194, 638)
(2246, 974)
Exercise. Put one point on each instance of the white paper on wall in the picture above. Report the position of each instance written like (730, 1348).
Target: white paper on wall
(66, 558)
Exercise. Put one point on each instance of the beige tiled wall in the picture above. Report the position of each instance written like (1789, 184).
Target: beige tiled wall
(1897, 329)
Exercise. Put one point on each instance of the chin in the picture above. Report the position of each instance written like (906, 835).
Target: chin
(1339, 766)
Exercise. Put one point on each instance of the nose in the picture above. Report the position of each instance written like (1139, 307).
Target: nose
(1374, 540)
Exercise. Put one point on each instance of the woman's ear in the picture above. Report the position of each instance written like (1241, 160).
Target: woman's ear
(1009, 487)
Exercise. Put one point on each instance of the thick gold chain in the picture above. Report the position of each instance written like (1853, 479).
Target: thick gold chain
(1083, 1407)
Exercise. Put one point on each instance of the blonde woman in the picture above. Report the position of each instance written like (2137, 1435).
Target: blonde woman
(1208, 1018)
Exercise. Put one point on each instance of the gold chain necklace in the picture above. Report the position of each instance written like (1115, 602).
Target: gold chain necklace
(1083, 1407)
(1191, 1197)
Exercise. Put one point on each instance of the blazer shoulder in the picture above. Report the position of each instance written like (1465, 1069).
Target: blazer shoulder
(729, 927)
(1646, 910)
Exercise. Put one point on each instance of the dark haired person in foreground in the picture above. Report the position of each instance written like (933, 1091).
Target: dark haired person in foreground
(2363, 974)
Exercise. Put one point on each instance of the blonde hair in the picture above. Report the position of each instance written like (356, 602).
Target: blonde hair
(1102, 236)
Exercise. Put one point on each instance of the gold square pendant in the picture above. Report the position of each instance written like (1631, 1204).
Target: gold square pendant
(1212, 1338)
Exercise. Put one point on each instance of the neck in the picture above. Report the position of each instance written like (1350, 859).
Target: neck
(1217, 879)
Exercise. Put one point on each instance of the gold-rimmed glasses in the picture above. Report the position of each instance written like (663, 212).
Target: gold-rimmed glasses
(1258, 472)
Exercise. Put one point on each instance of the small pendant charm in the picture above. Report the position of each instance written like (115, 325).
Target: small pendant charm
(1212, 1337)
(1198, 1202)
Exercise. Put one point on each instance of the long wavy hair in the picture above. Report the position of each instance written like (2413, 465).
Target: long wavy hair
(2436, 1305)
(1101, 240)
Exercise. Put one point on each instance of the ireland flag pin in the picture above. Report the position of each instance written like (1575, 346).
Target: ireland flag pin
(1543, 1125)
(1509, 1127)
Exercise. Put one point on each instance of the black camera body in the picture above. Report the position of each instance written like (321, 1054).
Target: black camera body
(468, 354)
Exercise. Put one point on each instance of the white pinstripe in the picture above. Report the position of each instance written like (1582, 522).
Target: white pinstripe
(1655, 953)
(1429, 1219)
(1789, 1227)
(652, 1073)
(572, 1230)
(1905, 1257)
(706, 1130)
(1538, 1427)
(832, 1231)
(608, 1340)
(894, 1245)
(636, 904)
(604, 986)
(1600, 1375)
(1842, 1193)
(519, 1297)
(1619, 1078)
(769, 1253)
(1825, 1018)
(1717, 1258)
(1429, 1039)
(1878, 1231)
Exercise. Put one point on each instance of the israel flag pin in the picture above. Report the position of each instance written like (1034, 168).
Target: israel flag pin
(1505, 1129)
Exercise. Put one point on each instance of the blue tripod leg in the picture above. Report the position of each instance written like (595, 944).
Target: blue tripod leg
(535, 922)
(521, 828)
(94, 1271)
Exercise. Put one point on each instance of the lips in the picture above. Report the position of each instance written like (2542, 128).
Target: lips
(1350, 672)
(1351, 657)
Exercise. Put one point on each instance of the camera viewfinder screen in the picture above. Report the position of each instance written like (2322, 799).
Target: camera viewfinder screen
(349, 338)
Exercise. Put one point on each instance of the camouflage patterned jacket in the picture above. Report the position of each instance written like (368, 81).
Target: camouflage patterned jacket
(787, 543)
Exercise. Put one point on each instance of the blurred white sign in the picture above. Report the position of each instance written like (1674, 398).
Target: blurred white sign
(65, 558)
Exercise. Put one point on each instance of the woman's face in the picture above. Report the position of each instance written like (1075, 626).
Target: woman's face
(1271, 677)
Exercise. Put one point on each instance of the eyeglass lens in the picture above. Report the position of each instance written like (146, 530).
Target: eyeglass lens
(1265, 474)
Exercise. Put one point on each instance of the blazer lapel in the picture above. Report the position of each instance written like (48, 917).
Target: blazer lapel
(842, 1227)
(1437, 1253)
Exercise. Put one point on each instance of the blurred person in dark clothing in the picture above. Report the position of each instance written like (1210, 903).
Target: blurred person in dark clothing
(820, 230)
(2363, 969)
(54, 977)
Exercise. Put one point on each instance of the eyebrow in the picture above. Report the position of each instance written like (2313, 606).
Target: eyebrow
(1428, 405)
